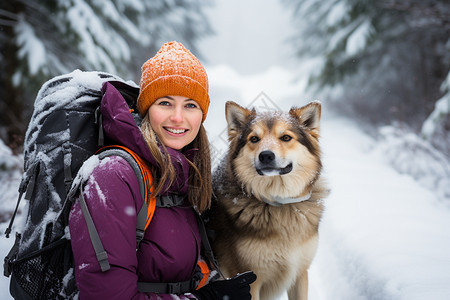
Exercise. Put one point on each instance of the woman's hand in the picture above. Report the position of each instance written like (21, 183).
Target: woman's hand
(237, 288)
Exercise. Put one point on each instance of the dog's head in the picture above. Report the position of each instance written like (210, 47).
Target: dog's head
(275, 154)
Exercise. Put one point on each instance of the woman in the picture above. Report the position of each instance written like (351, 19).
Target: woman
(174, 102)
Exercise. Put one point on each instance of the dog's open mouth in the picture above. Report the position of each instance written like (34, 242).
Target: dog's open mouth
(274, 171)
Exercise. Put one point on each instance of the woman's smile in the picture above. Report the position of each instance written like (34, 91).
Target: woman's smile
(175, 131)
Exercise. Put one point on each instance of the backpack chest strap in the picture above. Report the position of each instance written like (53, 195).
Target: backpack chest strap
(170, 200)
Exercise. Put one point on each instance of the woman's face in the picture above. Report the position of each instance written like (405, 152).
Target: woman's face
(176, 120)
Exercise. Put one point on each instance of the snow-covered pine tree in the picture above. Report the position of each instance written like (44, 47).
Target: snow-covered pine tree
(436, 128)
(380, 61)
(44, 38)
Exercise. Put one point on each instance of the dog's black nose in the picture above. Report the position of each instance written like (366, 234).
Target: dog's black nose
(266, 157)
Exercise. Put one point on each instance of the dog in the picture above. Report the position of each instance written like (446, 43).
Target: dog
(268, 198)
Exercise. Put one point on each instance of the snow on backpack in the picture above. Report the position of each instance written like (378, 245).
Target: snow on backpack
(66, 131)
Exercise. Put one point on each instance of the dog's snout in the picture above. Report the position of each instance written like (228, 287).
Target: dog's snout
(266, 157)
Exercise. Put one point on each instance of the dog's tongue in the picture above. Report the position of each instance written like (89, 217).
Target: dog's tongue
(268, 172)
(274, 172)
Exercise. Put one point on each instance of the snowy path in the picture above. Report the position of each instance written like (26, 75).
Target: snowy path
(383, 236)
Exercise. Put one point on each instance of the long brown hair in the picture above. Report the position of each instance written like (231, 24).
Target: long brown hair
(200, 187)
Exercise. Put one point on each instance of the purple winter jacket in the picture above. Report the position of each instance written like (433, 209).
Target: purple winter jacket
(171, 245)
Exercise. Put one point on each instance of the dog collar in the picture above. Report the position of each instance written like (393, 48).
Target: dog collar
(278, 201)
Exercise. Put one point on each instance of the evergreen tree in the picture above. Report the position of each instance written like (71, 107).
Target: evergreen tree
(436, 127)
(43, 38)
(381, 61)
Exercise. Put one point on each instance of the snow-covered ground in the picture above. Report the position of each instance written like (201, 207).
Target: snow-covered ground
(384, 235)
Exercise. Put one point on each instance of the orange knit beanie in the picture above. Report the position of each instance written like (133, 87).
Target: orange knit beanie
(175, 71)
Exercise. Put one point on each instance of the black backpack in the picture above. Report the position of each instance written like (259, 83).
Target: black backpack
(65, 131)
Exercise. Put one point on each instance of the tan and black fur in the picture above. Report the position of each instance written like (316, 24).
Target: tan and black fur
(273, 159)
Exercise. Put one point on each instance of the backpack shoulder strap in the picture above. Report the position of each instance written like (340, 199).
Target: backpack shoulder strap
(146, 186)
(102, 256)
(146, 189)
(207, 246)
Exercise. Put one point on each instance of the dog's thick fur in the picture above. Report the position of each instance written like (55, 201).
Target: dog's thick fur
(273, 159)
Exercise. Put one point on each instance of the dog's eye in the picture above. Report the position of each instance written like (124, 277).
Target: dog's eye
(286, 138)
(254, 139)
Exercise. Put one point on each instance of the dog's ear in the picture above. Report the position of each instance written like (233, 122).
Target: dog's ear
(308, 115)
(236, 116)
